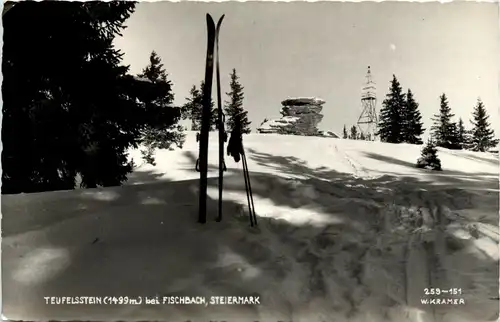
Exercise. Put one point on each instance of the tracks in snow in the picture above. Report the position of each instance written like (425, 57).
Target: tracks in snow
(359, 170)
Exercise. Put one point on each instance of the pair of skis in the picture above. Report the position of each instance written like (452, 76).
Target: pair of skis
(202, 163)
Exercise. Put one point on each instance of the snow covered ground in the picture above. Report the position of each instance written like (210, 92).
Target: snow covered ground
(348, 231)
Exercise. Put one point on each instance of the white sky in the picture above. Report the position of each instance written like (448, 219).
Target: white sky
(323, 49)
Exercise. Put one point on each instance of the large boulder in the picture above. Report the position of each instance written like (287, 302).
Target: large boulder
(300, 116)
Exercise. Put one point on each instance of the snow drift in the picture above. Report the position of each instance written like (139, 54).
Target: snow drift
(348, 231)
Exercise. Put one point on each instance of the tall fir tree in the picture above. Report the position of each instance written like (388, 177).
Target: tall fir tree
(412, 121)
(160, 136)
(75, 110)
(344, 133)
(391, 114)
(483, 136)
(234, 106)
(443, 129)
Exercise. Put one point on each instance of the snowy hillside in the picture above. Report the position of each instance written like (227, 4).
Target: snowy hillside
(348, 231)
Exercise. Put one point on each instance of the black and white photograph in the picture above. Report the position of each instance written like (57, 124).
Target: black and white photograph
(250, 161)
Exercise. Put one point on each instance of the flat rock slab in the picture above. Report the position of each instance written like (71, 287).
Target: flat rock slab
(302, 101)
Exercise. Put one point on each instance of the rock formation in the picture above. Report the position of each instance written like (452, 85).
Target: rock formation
(300, 116)
(332, 135)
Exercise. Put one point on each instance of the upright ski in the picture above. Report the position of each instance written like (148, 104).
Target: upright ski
(202, 164)
(220, 120)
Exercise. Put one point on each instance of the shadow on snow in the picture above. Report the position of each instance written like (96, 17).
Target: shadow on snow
(144, 240)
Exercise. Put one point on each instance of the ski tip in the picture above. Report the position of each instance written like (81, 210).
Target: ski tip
(210, 20)
(220, 20)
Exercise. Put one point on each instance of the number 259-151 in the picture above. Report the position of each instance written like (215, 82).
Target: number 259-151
(432, 291)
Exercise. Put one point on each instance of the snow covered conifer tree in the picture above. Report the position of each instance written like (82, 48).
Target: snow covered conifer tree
(234, 106)
(429, 158)
(443, 128)
(344, 133)
(192, 108)
(483, 137)
(75, 93)
(412, 121)
(454, 137)
(463, 137)
(354, 133)
(160, 136)
(391, 114)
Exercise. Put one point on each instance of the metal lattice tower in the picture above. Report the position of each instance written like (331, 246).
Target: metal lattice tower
(368, 120)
